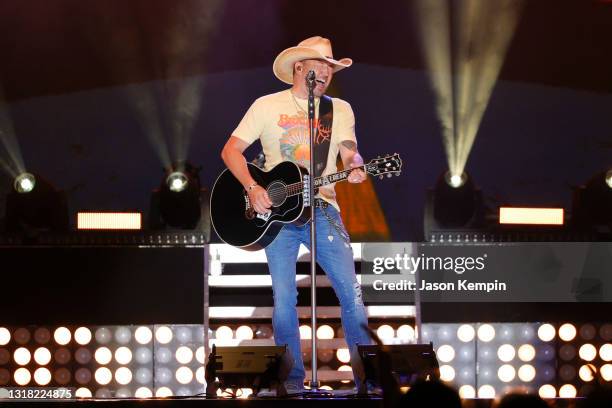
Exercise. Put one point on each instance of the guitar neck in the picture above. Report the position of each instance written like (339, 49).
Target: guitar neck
(321, 181)
(335, 177)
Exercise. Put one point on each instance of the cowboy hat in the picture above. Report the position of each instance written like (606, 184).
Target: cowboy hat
(311, 48)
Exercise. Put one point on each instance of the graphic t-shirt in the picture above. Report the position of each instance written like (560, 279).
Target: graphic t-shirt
(280, 121)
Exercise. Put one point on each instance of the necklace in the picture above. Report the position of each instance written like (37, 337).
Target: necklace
(297, 105)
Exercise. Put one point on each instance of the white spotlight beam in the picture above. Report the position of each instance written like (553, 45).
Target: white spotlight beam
(463, 57)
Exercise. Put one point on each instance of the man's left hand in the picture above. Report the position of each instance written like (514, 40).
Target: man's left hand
(357, 175)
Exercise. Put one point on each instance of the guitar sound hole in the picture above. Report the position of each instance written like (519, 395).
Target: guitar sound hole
(277, 191)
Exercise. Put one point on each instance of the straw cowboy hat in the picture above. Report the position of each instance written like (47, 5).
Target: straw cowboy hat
(311, 48)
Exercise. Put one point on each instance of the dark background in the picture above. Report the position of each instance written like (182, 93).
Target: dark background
(76, 75)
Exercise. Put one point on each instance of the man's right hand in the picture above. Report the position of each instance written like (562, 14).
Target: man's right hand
(260, 200)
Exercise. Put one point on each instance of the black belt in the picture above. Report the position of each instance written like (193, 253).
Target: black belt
(320, 203)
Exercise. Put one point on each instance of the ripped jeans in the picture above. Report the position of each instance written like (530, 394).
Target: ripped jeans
(335, 256)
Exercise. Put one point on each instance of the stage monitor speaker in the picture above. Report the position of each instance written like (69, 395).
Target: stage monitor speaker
(405, 363)
(253, 367)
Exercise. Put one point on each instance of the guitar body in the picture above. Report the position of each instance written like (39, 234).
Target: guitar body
(237, 223)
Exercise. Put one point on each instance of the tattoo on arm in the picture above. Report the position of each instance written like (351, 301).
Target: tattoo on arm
(349, 144)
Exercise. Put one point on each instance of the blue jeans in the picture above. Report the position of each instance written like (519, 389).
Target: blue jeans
(335, 256)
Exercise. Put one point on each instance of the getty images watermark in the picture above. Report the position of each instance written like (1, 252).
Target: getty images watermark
(410, 264)
(487, 272)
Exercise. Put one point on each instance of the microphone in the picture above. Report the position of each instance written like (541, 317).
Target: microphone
(310, 78)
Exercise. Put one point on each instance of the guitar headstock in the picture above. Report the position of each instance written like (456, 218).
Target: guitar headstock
(389, 165)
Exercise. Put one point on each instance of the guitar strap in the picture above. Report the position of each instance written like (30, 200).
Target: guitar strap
(323, 134)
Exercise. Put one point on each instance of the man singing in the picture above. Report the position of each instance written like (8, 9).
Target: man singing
(280, 122)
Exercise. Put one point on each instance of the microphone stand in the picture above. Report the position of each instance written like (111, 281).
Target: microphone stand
(310, 82)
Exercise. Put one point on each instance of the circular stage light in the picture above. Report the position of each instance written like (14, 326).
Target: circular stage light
(22, 376)
(244, 333)
(144, 355)
(343, 355)
(466, 333)
(42, 376)
(42, 356)
(62, 336)
(199, 355)
(605, 352)
(83, 393)
(587, 331)
(486, 333)
(103, 355)
(163, 355)
(123, 335)
(609, 178)
(567, 391)
(177, 181)
(445, 353)
(447, 373)
(506, 353)
(606, 372)
(224, 333)
(183, 335)
(325, 332)
(587, 352)
(305, 332)
(486, 391)
(455, 180)
(123, 375)
(123, 355)
(547, 391)
(22, 356)
(467, 391)
(526, 352)
(385, 332)
(5, 336)
(506, 373)
(163, 392)
(24, 183)
(103, 335)
(567, 332)
(200, 375)
(546, 332)
(103, 376)
(526, 373)
(82, 336)
(586, 372)
(406, 333)
(184, 375)
(143, 375)
(143, 335)
(184, 355)
(163, 334)
(42, 335)
(143, 392)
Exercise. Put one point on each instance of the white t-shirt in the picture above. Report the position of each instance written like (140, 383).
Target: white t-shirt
(280, 121)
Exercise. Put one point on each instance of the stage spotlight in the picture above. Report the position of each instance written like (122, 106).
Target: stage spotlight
(454, 204)
(24, 183)
(143, 392)
(587, 352)
(567, 391)
(455, 180)
(325, 332)
(305, 332)
(35, 205)
(5, 336)
(547, 391)
(592, 203)
(180, 203)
